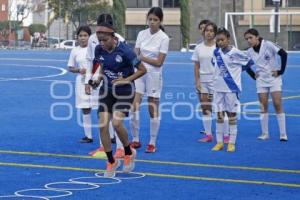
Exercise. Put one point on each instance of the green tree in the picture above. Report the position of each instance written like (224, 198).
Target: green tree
(41, 28)
(118, 11)
(185, 22)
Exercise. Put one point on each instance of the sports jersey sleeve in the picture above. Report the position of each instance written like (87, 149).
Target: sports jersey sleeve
(164, 47)
(195, 56)
(274, 47)
(72, 62)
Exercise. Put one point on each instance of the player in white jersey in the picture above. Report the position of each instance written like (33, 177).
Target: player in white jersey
(77, 64)
(92, 43)
(268, 79)
(229, 63)
(152, 45)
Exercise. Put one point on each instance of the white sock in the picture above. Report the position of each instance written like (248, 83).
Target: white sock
(281, 123)
(135, 125)
(264, 123)
(219, 132)
(111, 130)
(226, 126)
(87, 125)
(206, 120)
(154, 127)
(233, 133)
(118, 141)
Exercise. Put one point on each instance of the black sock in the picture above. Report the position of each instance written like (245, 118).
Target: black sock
(110, 157)
(127, 150)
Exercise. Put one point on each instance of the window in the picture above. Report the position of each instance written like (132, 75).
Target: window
(269, 3)
(293, 3)
(170, 3)
(3, 7)
(132, 32)
(139, 3)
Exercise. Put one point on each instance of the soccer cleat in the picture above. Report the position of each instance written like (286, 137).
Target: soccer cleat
(283, 138)
(98, 153)
(86, 140)
(218, 147)
(119, 153)
(150, 148)
(206, 138)
(111, 169)
(263, 136)
(231, 147)
(226, 139)
(135, 144)
(129, 161)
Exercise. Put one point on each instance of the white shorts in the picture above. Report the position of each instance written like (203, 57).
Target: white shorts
(274, 87)
(149, 84)
(226, 101)
(206, 88)
(83, 100)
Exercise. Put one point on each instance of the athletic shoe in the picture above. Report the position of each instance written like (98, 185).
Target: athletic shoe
(263, 136)
(129, 161)
(283, 138)
(86, 140)
(150, 148)
(111, 169)
(226, 139)
(135, 144)
(98, 153)
(206, 138)
(231, 147)
(218, 147)
(119, 153)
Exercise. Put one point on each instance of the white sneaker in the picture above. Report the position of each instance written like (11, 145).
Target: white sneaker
(111, 169)
(263, 136)
(283, 138)
(129, 161)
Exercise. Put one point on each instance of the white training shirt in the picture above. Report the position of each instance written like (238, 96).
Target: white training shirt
(151, 45)
(265, 62)
(228, 68)
(78, 58)
(90, 55)
(203, 55)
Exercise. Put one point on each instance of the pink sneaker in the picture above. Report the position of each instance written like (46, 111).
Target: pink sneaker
(226, 139)
(206, 138)
(119, 153)
(150, 148)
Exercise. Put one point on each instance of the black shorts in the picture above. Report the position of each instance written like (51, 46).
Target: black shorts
(110, 101)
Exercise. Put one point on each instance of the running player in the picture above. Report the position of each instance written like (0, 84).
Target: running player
(229, 63)
(93, 42)
(152, 45)
(269, 80)
(117, 63)
(77, 64)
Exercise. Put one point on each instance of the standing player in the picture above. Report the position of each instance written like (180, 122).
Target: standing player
(152, 45)
(229, 63)
(93, 42)
(269, 80)
(77, 64)
(117, 63)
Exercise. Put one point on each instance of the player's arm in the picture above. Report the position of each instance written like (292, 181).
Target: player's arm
(248, 69)
(158, 62)
(283, 55)
(197, 76)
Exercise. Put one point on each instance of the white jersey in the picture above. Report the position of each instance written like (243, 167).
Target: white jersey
(151, 45)
(203, 55)
(78, 59)
(228, 70)
(90, 55)
(265, 62)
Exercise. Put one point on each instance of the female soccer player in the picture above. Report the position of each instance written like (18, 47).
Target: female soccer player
(264, 52)
(77, 64)
(117, 63)
(229, 63)
(152, 45)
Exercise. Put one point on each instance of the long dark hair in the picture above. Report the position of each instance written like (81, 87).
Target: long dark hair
(157, 11)
(252, 31)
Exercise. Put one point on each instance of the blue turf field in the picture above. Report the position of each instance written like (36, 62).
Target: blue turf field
(39, 139)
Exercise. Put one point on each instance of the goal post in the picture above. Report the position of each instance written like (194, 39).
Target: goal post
(288, 27)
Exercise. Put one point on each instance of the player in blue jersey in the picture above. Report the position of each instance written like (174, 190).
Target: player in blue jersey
(118, 63)
(229, 63)
(269, 81)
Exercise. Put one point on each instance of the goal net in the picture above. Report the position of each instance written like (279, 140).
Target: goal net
(287, 36)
